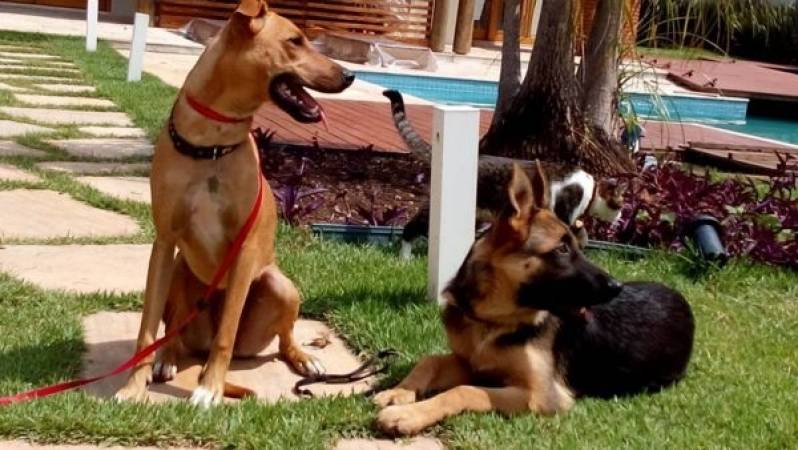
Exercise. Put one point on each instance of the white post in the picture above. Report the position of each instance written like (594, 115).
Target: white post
(137, 46)
(453, 192)
(92, 10)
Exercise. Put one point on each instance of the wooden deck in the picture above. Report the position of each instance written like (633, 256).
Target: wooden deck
(368, 126)
(354, 125)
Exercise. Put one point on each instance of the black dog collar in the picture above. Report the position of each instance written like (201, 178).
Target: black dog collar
(197, 152)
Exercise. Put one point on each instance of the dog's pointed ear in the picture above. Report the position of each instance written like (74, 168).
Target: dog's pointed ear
(521, 195)
(249, 15)
(540, 187)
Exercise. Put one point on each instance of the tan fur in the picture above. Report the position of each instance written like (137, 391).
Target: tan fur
(200, 205)
(526, 375)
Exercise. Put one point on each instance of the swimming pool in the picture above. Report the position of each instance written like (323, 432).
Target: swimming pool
(723, 112)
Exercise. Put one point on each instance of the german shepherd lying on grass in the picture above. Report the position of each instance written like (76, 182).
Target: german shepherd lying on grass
(532, 325)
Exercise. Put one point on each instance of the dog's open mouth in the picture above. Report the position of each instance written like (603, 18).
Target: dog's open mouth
(289, 94)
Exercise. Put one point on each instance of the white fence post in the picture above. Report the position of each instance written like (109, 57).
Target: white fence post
(92, 10)
(453, 192)
(137, 46)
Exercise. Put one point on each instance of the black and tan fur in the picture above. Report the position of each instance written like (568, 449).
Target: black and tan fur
(574, 192)
(532, 325)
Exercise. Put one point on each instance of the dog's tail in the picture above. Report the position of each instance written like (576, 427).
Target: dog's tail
(417, 144)
(234, 391)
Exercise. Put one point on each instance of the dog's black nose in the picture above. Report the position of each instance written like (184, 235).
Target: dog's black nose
(348, 77)
(614, 285)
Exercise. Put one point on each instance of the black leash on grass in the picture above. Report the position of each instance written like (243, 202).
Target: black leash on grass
(375, 365)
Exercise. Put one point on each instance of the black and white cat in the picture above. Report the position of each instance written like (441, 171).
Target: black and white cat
(574, 192)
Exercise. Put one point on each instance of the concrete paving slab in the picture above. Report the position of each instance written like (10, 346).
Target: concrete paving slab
(8, 54)
(417, 443)
(79, 268)
(11, 61)
(48, 63)
(23, 445)
(126, 188)
(14, 173)
(42, 214)
(54, 71)
(9, 128)
(68, 117)
(65, 88)
(10, 88)
(109, 148)
(110, 339)
(94, 168)
(54, 100)
(122, 132)
(33, 78)
(11, 148)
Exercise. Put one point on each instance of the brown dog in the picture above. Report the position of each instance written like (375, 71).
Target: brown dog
(204, 177)
(532, 324)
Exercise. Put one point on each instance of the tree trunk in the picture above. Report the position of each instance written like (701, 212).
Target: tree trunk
(545, 120)
(546, 104)
(510, 74)
(599, 68)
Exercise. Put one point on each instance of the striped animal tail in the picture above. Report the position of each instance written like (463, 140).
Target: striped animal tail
(417, 144)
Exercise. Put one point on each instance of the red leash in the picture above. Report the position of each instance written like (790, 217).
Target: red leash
(224, 267)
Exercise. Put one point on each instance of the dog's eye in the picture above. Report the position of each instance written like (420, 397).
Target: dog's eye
(297, 40)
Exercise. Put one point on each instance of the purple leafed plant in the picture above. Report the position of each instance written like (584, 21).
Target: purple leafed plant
(376, 215)
(760, 220)
(295, 200)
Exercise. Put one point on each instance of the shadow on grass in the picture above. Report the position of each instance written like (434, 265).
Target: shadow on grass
(41, 364)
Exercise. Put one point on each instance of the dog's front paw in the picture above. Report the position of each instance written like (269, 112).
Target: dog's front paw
(205, 397)
(132, 392)
(401, 420)
(396, 396)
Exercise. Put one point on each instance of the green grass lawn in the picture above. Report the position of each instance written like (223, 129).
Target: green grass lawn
(678, 53)
(741, 391)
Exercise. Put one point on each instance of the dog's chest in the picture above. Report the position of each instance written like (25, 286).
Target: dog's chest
(211, 221)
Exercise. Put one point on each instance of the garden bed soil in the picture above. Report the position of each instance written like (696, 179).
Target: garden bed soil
(354, 182)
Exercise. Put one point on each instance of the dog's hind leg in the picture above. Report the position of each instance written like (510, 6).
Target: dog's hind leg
(433, 373)
(412, 418)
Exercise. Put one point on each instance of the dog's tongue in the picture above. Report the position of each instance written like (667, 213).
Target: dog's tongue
(324, 118)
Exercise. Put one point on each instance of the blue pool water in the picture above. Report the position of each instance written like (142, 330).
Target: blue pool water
(729, 114)
(779, 129)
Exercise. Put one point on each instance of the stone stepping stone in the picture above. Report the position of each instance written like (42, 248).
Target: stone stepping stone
(48, 64)
(68, 117)
(94, 168)
(417, 443)
(10, 88)
(81, 269)
(110, 338)
(68, 71)
(126, 188)
(17, 55)
(43, 214)
(9, 128)
(34, 78)
(11, 61)
(109, 148)
(22, 445)
(121, 132)
(50, 100)
(13, 173)
(11, 148)
(65, 88)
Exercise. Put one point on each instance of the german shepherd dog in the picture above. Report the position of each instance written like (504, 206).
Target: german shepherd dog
(532, 325)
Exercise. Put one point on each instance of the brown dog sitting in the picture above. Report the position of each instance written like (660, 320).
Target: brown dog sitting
(204, 178)
(532, 324)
